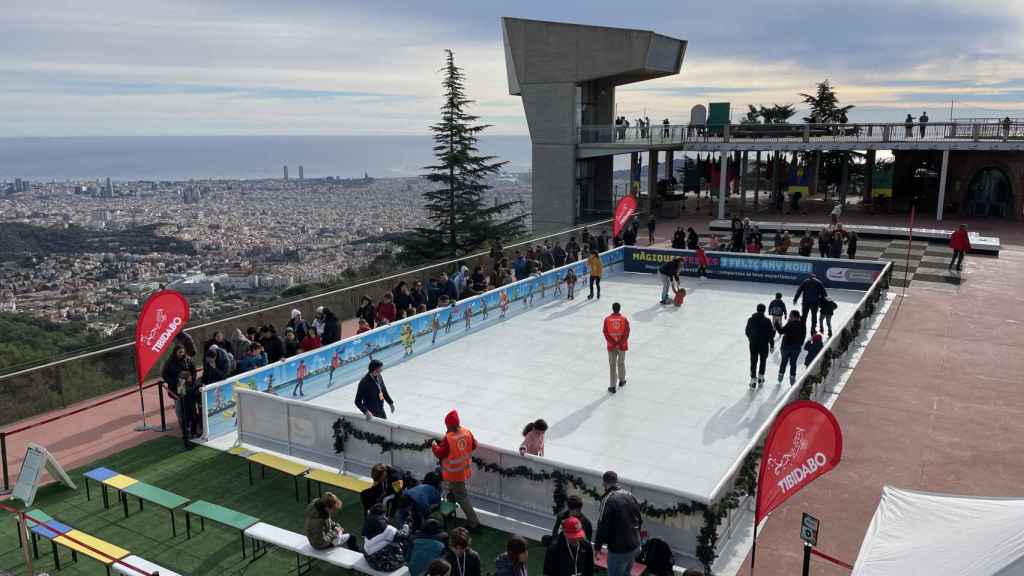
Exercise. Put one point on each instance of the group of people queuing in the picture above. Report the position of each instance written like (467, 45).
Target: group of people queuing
(831, 241)
(762, 329)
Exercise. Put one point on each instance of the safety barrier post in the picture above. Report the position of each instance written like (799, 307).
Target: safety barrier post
(160, 396)
(807, 560)
(3, 456)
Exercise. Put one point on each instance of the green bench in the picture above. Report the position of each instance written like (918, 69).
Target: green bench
(158, 496)
(219, 514)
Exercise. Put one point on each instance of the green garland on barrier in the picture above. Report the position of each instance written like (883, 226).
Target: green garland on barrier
(744, 486)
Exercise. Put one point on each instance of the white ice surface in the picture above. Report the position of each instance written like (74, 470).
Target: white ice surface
(681, 422)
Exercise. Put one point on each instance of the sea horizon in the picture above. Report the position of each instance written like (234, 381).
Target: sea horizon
(132, 158)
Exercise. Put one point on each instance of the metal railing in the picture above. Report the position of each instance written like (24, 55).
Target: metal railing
(875, 133)
(63, 382)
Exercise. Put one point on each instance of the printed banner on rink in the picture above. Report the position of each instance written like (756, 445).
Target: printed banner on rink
(805, 442)
(330, 367)
(848, 274)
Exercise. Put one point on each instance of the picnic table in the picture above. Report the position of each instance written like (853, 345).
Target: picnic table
(219, 514)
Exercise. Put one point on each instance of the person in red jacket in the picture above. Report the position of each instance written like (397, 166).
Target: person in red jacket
(616, 335)
(455, 452)
(702, 262)
(960, 243)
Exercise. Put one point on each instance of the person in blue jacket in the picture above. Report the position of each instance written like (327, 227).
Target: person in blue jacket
(416, 503)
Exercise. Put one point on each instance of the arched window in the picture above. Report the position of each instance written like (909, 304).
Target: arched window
(989, 194)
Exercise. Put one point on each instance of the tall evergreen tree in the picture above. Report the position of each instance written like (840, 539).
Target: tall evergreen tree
(461, 221)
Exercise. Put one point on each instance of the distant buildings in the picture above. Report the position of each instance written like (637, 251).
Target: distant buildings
(301, 175)
(285, 171)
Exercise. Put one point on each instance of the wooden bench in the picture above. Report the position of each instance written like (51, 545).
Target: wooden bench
(100, 550)
(131, 562)
(287, 467)
(297, 543)
(125, 485)
(219, 514)
(149, 493)
(343, 481)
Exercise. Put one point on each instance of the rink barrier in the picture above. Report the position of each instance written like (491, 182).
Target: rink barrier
(305, 431)
(772, 268)
(392, 344)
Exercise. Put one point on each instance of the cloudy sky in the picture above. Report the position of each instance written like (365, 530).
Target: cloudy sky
(183, 67)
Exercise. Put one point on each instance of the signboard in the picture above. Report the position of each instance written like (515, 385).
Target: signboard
(809, 529)
(37, 458)
(846, 274)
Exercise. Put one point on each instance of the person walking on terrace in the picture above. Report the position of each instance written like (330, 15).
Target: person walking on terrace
(616, 335)
(960, 242)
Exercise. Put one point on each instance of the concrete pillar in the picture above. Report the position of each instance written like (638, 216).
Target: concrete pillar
(757, 178)
(669, 160)
(634, 170)
(942, 184)
(812, 187)
(652, 180)
(868, 184)
(722, 184)
(743, 183)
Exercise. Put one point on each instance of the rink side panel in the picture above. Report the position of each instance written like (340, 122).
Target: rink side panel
(775, 269)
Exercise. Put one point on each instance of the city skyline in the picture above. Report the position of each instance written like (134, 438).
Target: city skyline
(156, 68)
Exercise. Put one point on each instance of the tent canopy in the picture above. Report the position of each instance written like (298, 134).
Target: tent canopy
(920, 533)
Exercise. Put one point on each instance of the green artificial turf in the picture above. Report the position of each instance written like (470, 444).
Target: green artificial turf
(199, 474)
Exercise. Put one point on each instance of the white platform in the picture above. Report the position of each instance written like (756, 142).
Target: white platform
(681, 422)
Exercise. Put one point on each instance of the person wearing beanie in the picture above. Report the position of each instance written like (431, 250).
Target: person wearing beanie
(570, 554)
(813, 347)
(618, 525)
(298, 325)
(372, 393)
(455, 452)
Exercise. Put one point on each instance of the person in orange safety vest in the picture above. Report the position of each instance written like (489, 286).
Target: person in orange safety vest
(616, 335)
(456, 455)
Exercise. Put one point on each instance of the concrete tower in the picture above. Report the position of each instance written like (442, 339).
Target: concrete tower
(566, 75)
(285, 171)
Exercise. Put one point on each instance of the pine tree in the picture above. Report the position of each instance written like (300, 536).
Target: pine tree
(461, 221)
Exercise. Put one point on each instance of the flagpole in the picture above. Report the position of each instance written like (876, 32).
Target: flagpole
(753, 548)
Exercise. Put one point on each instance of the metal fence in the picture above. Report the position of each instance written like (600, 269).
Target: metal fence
(874, 133)
(64, 382)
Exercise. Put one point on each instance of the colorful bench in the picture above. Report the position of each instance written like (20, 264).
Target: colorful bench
(100, 550)
(42, 525)
(125, 485)
(287, 467)
(132, 565)
(343, 481)
(297, 543)
(219, 514)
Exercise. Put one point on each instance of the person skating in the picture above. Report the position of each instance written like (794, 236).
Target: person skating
(828, 307)
(761, 337)
(813, 291)
(570, 284)
(960, 242)
(669, 273)
(812, 348)
(777, 310)
(455, 452)
(372, 393)
(596, 270)
(618, 526)
(616, 335)
(793, 335)
(702, 262)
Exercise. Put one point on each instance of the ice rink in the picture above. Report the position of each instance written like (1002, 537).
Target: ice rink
(683, 418)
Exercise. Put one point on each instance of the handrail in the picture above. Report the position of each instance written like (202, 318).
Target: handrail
(292, 303)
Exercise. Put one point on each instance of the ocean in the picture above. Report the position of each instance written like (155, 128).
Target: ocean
(233, 157)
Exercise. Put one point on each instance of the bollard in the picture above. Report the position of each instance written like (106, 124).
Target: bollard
(3, 456)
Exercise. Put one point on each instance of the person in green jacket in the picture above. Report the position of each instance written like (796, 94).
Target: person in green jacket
(321, 529)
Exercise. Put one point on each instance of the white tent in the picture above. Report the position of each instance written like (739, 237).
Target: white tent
(919, 533)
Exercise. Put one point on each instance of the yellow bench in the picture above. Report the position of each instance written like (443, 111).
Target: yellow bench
(342, 481)
(100, 550)
(282, 465)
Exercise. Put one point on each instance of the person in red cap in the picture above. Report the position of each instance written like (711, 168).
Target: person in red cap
(455, 452)
(616, 335)
(570, 554)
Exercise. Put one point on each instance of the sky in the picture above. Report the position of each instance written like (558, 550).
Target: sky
(298, 67)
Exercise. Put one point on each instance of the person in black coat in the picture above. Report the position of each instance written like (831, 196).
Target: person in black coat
(761, 336)
(179, 374)
(813, 292)
(366, 311)
(571, 554)
(463, 559)
(272, 344)
(619, 525)
(793, 335)
(692, 239)
(372, 393)
(332, 327)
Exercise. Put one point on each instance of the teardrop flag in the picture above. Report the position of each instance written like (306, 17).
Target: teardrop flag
(804, 443)
(163, 316)
(623, 211)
